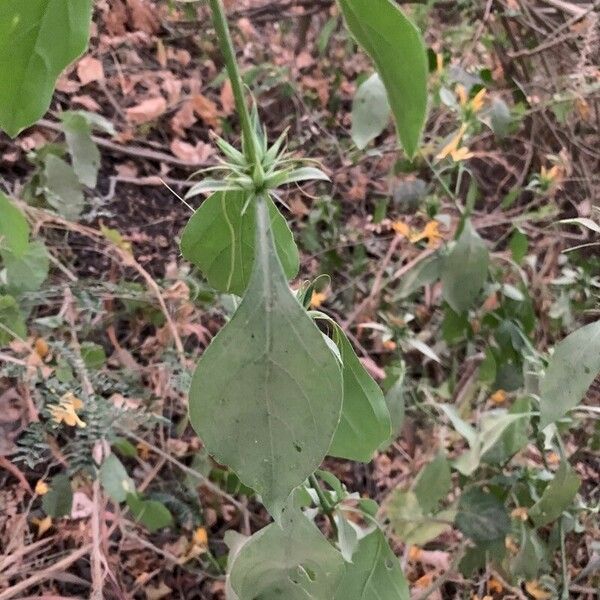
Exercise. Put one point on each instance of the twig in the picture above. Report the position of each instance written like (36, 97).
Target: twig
(58, 567)
(96, 554)
(325, 506)
(136, 151)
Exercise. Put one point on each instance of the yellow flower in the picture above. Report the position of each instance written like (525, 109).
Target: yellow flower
(41, 488)
(42, 524)
(453, 144)
(494, 586)
(401, 228)
(498, 397)
(478, 100)
(551, 175)
(461, 154)
(533, 589)
(201, 537)
(41, 347)
(66, 410)
(439, 62)
(431, 232)
(461, 92)
(317, 299)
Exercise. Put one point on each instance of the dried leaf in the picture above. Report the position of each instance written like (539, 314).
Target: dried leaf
(147, 110)
(90, 69)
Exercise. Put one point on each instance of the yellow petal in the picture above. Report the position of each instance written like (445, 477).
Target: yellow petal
(461, 92)
(498, 397)
(461, 154)
(495, 586)
(317, 299)
(431, 232)
(41, 347)
(478, 100)
(452, 145)
(533, 589)
(41, 488)
(439, 62)
(401, 228)
(42, 524)
(70, 400)
(201, 537)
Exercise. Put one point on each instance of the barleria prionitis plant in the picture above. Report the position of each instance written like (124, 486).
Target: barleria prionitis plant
(273, 394)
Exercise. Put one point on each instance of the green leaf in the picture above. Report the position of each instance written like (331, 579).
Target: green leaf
(433, 483)
(365, 422)
(518, 244)
(10, 317)
(557, 496)
(513, 438)
(62, 188)
(500, 118)
(398, 51)
(93, 355)
(482, 517)
(571, 371)
(347, 535)
(82, 148)
(465, 270)
(27, 272)
(294, 562)
(220, 241)
(370, 111)
(266, 396)
(14, 229)
(152, 514)
(115, 480)
(374, 573)
(396, 404)
(59, 499)
(38, 39)
(410, 523)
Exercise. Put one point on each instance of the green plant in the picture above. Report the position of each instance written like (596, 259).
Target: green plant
(281, 387)
(287, 392)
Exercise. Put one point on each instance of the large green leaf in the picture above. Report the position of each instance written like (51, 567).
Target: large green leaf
(365, 423)
(266, 396)
(557, 496)
(370, 111)
(38, 39)
(398, 51)
(293, 563)
(482, 517)
(571, 371)
(14, 229)
(220, 240)
(374, 572)
(465, 270)
(27, 272)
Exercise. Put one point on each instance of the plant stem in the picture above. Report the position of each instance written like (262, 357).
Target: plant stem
(325, 506)
(226, 45)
